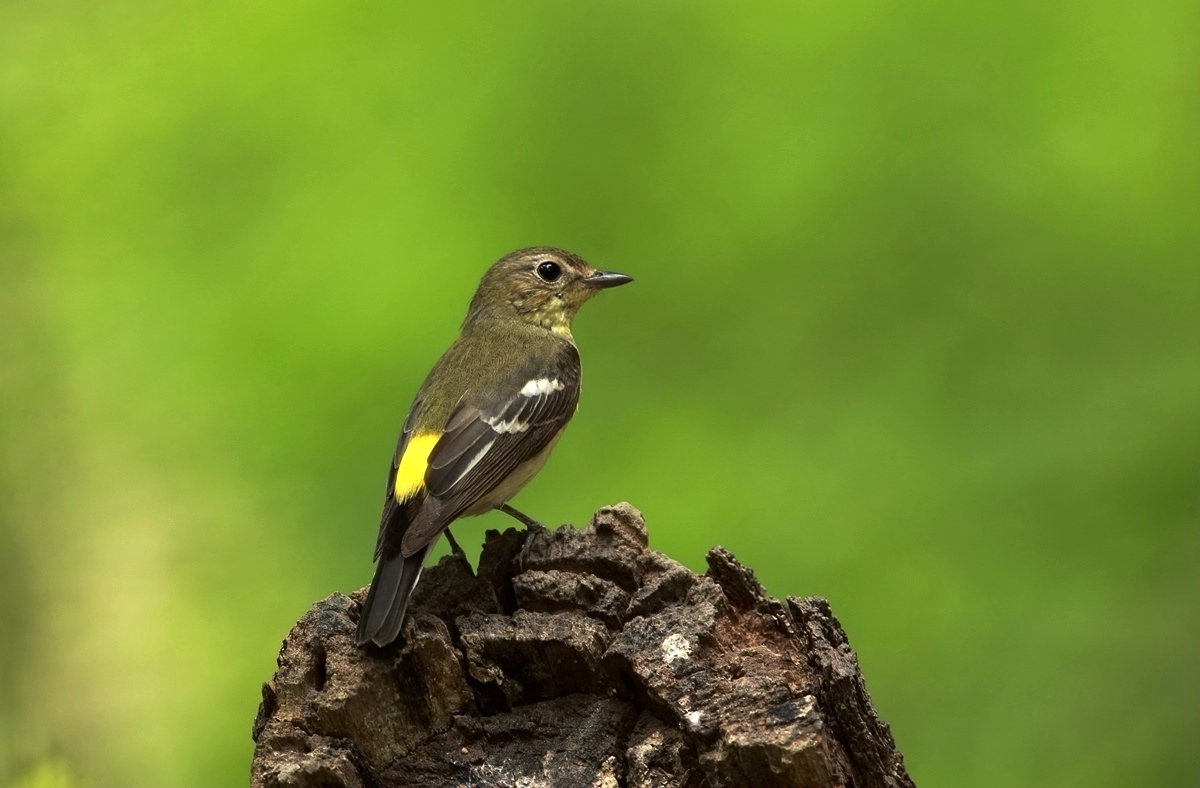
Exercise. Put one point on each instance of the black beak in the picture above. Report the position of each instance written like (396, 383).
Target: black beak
(607, 279)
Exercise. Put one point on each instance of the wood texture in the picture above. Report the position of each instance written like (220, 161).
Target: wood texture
(576, 657)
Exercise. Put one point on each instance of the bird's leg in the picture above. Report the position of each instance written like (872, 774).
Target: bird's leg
(454, 548)
(524, 519)
(532, 527)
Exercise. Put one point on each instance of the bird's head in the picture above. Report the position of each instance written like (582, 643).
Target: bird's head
(540, 285)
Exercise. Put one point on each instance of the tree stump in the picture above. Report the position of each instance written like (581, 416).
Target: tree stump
(575, 657)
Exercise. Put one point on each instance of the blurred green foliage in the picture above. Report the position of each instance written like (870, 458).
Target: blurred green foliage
(914, 328)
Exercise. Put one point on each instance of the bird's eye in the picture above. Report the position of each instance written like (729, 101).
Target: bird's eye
(548, 271)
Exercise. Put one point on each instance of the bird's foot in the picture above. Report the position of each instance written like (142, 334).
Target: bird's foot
(532, 528)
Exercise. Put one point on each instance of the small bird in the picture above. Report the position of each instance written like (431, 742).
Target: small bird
(485, 420)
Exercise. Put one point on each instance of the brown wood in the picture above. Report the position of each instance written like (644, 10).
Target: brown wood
(576, 657)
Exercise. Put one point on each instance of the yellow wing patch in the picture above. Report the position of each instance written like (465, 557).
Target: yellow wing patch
(410, 476)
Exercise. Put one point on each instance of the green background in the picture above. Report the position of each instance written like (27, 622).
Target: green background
(913, 328)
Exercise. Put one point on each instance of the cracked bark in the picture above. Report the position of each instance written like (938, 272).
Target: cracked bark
(576, 657)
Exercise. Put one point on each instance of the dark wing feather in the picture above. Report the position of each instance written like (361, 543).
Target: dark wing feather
(490, 434)
(390, 504)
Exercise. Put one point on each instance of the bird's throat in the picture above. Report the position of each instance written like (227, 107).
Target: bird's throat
(556, 317)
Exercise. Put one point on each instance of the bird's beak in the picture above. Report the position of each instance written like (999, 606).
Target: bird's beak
(607, 279)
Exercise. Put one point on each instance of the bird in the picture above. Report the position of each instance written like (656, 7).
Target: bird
(484, 421)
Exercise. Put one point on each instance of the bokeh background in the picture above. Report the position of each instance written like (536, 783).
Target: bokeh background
(914, 328)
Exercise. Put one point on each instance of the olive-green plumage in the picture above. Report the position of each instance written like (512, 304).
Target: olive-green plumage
(485, 419)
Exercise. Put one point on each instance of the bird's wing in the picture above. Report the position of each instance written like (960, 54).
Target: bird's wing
(390, 504)
(490, 434)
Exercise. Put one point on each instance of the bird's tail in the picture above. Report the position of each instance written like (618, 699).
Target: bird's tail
(383, 612)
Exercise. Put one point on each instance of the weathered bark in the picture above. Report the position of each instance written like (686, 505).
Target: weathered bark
(576, 657)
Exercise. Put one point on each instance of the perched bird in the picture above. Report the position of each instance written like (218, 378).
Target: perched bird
(485, 419)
